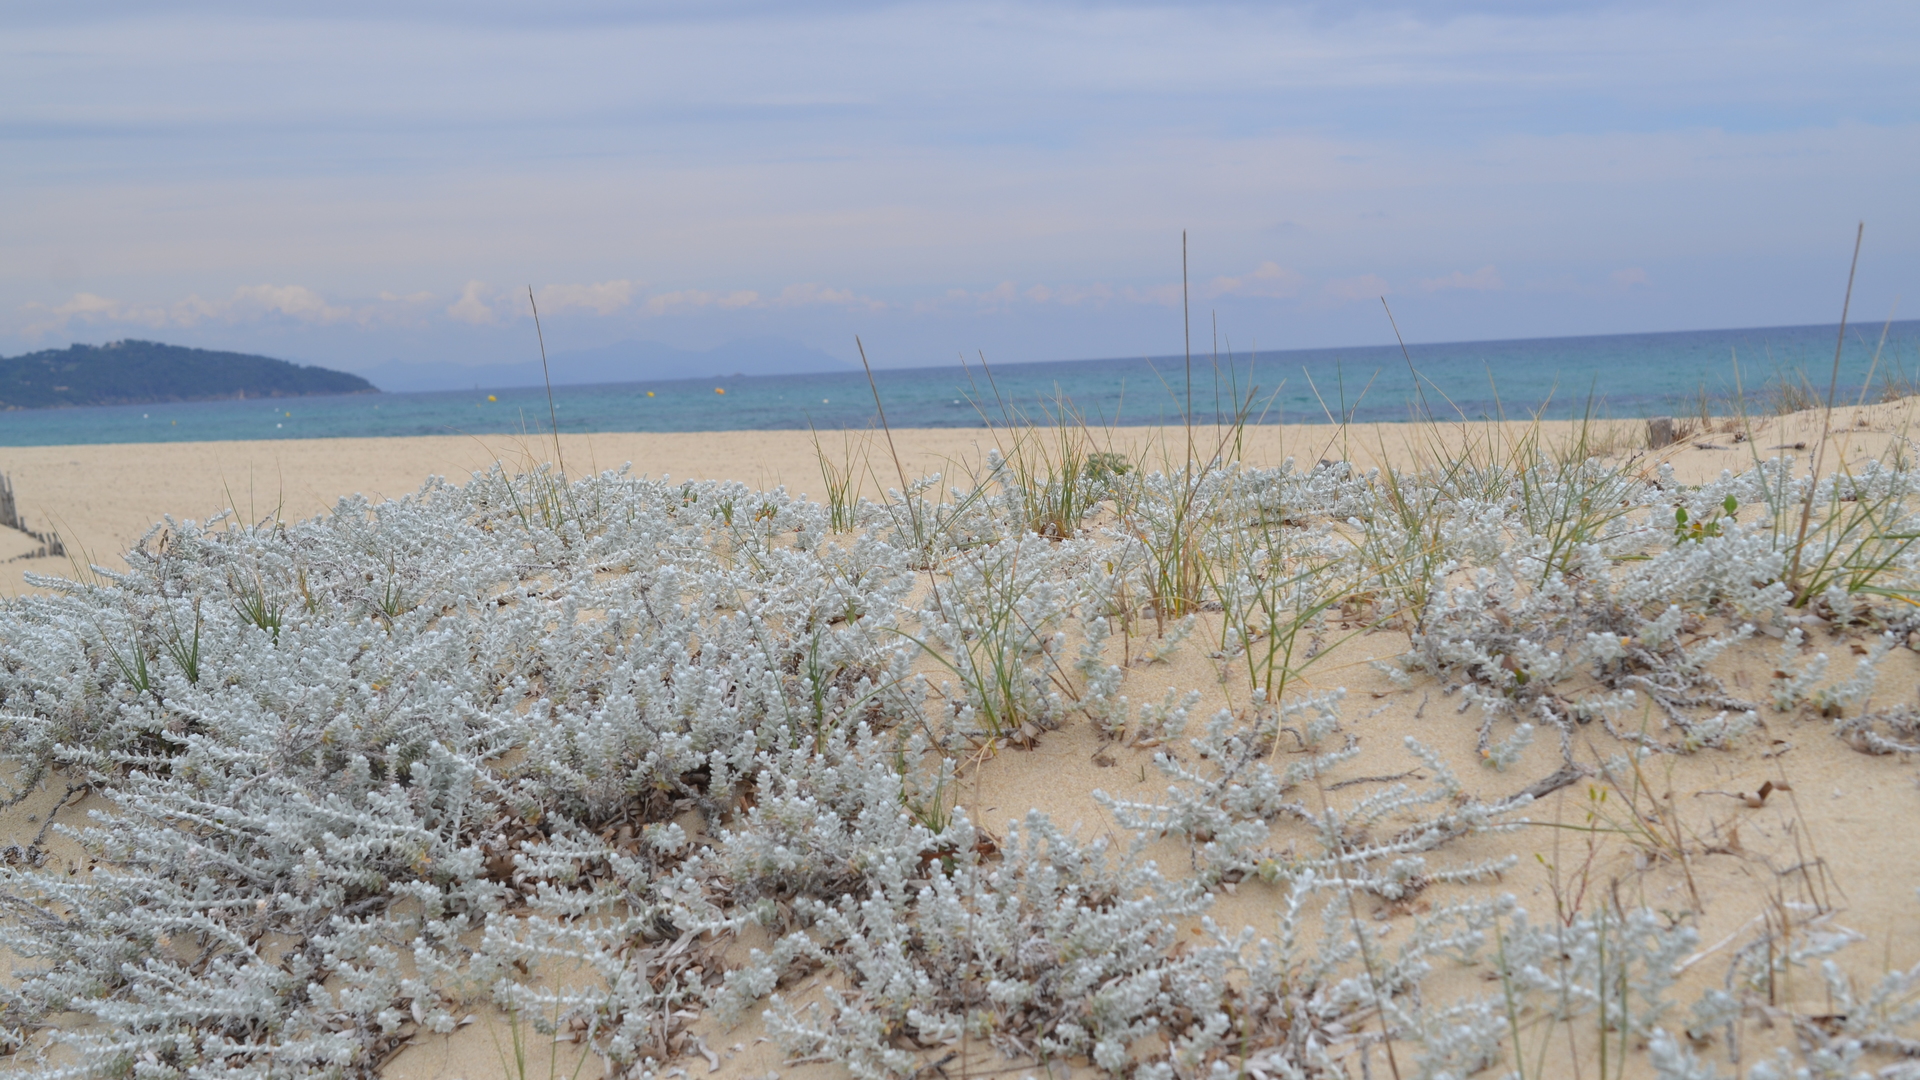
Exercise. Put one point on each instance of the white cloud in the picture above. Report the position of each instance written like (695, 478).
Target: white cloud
(396, 309)
(1004, 294)
(607, 298)
(83, 307)
(293, 301)
(1363, 287)
(1269, 279)
(479, 304)
(187, 312)
(690, 299)
(85, 304)
(1485, 279)
(998, 298)
(248, 303)
(470, 308)
(603, 298)
(953, 298)
(1169, 295)
(809, 293)
(1095, 294)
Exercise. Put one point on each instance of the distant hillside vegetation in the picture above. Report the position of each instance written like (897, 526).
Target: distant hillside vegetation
(133, 372)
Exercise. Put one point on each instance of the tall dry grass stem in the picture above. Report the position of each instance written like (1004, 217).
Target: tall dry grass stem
(553, 413)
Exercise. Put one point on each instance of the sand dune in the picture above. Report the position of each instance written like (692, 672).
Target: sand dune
(1725, 840)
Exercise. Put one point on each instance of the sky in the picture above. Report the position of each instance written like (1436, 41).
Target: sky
(361, 182)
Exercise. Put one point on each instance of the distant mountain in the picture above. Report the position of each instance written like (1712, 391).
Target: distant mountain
(134, 372)
(628, 361)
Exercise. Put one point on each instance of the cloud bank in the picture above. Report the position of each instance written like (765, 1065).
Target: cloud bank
(481, 304)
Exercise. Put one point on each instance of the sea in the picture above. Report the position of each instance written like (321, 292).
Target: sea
(1614, 375)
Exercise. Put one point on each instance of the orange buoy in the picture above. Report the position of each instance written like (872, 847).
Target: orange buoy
(718, 390)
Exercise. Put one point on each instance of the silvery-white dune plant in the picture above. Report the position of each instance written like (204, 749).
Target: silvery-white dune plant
(553, 744)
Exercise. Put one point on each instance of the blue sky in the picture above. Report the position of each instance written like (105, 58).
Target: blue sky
(357, 183)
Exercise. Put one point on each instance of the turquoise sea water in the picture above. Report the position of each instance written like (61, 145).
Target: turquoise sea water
(1621, 375)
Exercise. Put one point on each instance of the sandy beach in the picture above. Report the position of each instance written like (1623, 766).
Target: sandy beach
(1114, 540)
(102, 498)
(1787, 820)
